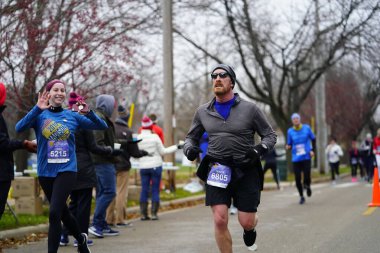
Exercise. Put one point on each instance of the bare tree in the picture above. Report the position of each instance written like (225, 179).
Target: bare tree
(277, 67)
(90, 45)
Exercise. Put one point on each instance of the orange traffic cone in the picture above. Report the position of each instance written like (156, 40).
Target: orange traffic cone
(375, 190)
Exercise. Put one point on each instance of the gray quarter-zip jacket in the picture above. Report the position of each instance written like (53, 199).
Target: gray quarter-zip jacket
(231, 137)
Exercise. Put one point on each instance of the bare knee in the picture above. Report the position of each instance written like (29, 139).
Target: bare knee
(248, 222)
(220, 219)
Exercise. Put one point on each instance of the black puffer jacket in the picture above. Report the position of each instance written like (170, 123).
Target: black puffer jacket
(84, 144)
(123, 135)
(7, 146)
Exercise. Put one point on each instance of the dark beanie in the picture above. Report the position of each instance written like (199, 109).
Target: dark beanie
(228, 69)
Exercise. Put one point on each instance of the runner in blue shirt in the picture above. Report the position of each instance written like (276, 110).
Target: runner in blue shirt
(301, 141)
(57, 166)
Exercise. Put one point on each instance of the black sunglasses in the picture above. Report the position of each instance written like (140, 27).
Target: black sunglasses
(221, 75)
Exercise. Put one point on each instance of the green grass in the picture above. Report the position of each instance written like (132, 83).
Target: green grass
(8, 221)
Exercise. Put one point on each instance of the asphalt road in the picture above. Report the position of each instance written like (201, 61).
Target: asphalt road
(335, 219)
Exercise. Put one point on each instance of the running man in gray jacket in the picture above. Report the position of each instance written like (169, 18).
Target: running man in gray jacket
(231, 168)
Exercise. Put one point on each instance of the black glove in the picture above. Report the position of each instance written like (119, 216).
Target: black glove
(117, 152)
(143, 153)
(193, 153)
(254, 153)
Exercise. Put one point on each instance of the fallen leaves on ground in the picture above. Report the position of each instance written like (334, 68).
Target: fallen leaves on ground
(35, 237)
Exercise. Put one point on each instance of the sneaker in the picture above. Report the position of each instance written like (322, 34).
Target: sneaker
(110, 232)
(124, 225)
(96, 232)
(354, 179)
(64, 240)
(89, 242)
(302, 200)
(233, 210)
(83, 247)
(308, 191)
(250, 239)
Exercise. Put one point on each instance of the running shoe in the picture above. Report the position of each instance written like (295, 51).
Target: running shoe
(64, 240)
(124, 225)
(96, 231)
(308, 191)
(233, 210)
(110, 232)
(250, 239)
(89, 242)
(302, 200)
(83, 247)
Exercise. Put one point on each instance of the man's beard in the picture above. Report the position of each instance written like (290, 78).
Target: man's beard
(221, 92)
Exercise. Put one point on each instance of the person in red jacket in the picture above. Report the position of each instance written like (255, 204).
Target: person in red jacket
(155, 128)
(7, 146)
(376, 147)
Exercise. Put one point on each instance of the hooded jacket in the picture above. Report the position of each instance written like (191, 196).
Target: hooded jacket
(105, 105)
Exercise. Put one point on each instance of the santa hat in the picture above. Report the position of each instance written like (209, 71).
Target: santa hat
(50, 84)
(146, 122)
(73, 98)
(3, 94)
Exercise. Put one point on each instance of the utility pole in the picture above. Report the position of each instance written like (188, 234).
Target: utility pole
(167, 28)
(320, 103)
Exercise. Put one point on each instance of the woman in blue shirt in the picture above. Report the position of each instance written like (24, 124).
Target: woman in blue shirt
(57, 166)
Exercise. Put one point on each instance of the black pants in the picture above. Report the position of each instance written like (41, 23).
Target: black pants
(4, 189)
(354, 169)
(273, 168)
(57, 190)
(305, 168)
(334, 170)
(80, 208)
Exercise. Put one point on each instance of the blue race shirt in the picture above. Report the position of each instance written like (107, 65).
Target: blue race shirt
(57, 127)
(300, 140)
(224, 108)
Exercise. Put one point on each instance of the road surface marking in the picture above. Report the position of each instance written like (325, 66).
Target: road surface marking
(369, 211)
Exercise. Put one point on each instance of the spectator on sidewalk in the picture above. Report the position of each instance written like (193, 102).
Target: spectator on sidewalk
(376, 148)
(81, 195)
(333, 152)
(116, 211)
(105, 168)
(151, 167)
(7, 146)
(155, 128)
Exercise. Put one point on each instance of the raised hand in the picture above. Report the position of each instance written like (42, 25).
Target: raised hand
(43, 100)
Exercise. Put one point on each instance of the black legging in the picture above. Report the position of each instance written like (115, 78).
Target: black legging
(80, 208)
(305, 167)
(57, 190)
(273, 168)
(4, 189)
(334, 170)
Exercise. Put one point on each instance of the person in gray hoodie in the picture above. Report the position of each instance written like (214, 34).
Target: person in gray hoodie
(105, 168)
(231, 168)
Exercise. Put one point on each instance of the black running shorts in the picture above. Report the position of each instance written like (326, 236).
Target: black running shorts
(245, 193)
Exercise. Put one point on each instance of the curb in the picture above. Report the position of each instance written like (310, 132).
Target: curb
(43, 228)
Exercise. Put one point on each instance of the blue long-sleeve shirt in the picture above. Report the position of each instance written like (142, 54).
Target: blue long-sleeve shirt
(300, 140)
(55, 137)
